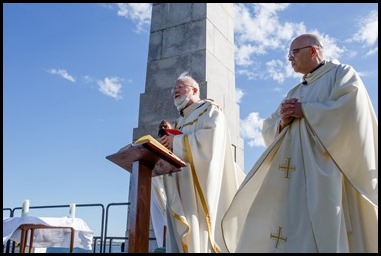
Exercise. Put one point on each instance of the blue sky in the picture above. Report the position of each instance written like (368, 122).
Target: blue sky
(73, 75)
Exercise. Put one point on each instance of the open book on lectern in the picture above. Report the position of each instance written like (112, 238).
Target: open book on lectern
(144, 139)
(150, 152)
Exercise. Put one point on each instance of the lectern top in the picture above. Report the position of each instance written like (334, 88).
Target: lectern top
(150, 153)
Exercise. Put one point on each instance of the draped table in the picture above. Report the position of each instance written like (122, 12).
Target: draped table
(48, 232)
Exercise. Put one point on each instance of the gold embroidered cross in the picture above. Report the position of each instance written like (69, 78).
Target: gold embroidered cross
(287, 168)
(278, 237)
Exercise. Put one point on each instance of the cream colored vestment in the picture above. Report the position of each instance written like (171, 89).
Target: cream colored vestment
(315, 188)
(198, 195)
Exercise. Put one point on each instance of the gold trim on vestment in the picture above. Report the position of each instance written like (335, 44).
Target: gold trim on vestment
(200, 194)
(183, 220)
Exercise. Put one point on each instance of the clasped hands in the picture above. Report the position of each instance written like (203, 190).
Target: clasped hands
(289, 110)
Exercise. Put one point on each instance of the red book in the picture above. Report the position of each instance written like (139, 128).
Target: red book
(173, 131)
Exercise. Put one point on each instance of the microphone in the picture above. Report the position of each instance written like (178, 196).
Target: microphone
(304, 82)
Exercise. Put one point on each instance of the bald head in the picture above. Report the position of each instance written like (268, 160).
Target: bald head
(306, 53)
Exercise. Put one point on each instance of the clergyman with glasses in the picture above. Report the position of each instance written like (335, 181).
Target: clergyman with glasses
(315, 188)
(198, 195)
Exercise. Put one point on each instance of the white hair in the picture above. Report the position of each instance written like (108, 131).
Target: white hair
(187, 79)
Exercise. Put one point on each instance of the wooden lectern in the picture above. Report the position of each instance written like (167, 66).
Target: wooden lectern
(144, 160)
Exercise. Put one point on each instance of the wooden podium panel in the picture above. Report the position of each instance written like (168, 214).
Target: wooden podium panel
(144, 161)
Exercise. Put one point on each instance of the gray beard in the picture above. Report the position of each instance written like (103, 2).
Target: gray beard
(181, 102)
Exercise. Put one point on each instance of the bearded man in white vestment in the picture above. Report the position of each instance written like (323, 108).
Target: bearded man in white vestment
(198, 195)
(315, 188)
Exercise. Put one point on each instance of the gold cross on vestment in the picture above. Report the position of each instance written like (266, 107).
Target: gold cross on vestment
(278, 237)
(287, 168)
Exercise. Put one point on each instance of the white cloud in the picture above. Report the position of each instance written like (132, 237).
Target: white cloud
(248, 73)
(256, 32)
(242, 54)
(63, 73)
(238, 95)
(87, 79)
(331, 48)
(139, 13)
(262, 28)
(372, 51)
(368, 30)
(365, 73)
(110, 86)
(276, 70)
(251, 130)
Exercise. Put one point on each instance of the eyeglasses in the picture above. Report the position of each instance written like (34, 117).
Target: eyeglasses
(179, 87)
(292, 53)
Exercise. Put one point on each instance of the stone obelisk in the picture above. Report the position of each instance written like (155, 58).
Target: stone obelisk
(193, 37)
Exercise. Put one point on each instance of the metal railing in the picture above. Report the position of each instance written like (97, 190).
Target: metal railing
(103, 240)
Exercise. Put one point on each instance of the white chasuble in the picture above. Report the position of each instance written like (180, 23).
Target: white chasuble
(315, 188)
(198, 195)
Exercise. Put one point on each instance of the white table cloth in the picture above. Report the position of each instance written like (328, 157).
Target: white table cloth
(83, 236)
